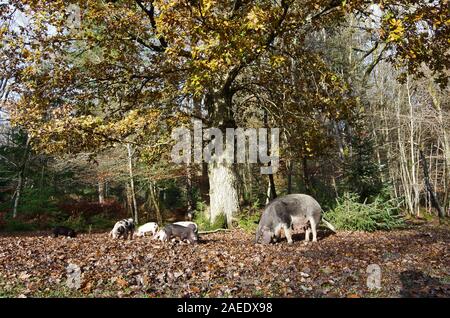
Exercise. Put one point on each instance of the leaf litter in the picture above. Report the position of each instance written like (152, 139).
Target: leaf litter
(414, 262)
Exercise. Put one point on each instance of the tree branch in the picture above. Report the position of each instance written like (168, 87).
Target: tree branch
(151, 15)
(234, 72)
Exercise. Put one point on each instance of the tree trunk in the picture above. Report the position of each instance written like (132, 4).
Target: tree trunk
(129, 199)
(132, 192)
(223, 190)
(306, 174)
(445, 144)
(407, 184)
(154, 197)
(18, 193)
(189, 189)
(429, 186)
(204, 183)
(290, 171)
(21, 176)
(273, 191)
(223, 193)
(248, 172)
(268, 193)
(101, 190)
(4, 90)
(333, 183)
(245, 182)
(414, 182)
(41, 183)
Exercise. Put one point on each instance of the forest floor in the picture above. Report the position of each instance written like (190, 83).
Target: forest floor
(414, 262)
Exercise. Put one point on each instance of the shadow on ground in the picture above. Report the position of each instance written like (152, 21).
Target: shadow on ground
(321, 234)
(416, 284)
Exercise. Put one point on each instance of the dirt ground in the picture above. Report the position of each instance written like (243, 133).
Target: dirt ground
(414, 262)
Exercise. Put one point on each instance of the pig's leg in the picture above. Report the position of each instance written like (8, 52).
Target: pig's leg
(277, 233)
(287, 233)
(307, 232)
(313, 224)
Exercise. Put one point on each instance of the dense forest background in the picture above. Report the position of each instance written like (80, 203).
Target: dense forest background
(86, 114)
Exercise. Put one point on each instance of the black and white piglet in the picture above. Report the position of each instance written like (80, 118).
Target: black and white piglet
(64, 231)
(123, 228)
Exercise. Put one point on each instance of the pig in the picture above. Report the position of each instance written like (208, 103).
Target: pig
(123, 228)
(188, 224)
(293, 211)
(179, 231)
(64, 231)
(150, 227)
(160, 235)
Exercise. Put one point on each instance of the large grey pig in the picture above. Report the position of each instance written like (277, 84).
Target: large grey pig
(288, 212)
(188, 224)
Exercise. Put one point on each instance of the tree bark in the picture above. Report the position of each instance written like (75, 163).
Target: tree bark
(403, 162)
(273, 191)
(21, 176)
(414, 183)
(204, 183)
(429, 186)
(4, 90)
(306, 177)
(129, 199)
(154, 197)
(41, 183)
(223, 193)
(101, 190)
(189, 189)
(223, 190)
(445, 143)
(268, 193)
(132, 192)
(290, 171)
